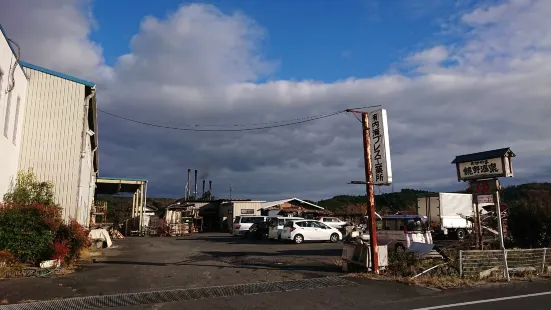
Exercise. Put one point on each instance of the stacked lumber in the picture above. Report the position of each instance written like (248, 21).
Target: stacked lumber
(115, 234)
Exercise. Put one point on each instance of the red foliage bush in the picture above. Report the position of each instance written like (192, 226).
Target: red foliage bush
(7, 257)
(60, 249)
(50, 215)
(77, 237)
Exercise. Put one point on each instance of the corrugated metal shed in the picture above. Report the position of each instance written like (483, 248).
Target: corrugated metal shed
(53, 137)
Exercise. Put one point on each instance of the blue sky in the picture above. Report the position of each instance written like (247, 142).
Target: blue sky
(325, 40)
(473, 62)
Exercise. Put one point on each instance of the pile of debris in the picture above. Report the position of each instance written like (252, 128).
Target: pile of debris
(115, 234)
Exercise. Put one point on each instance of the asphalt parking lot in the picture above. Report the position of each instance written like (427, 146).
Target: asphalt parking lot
(157, 263)
(208, 271)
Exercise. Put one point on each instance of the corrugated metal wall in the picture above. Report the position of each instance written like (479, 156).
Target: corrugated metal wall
(52, 138)
(10, 141)
(239, 206)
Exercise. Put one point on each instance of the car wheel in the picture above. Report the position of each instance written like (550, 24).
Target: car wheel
(298, 239)
(334, 238)
(399, 248)
(461, 234)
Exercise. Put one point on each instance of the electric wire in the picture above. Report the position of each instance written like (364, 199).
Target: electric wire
(275, 124)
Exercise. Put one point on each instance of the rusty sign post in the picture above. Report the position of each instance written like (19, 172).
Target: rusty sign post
(372, 224)
(378, 169)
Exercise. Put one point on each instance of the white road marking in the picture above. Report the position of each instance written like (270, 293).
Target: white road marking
(482, 301)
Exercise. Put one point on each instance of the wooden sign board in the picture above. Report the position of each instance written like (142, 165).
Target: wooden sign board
(485, 186)
(484, 165)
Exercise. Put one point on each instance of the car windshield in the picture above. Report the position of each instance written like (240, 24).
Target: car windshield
(288, 224)
(416, 224)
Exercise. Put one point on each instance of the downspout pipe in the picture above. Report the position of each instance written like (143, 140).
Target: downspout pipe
(83, 150)
(93, 176)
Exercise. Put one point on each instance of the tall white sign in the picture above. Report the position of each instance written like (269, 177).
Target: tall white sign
(380, 148)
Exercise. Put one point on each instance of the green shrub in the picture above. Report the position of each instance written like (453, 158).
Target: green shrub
(27, 230)
(29, 219)
(27, 190)
(530, 224)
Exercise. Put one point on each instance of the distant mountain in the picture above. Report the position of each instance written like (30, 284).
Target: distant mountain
(406, 199)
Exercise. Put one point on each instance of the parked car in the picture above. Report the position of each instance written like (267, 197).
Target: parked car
(333, 222)
(276, 226)
(258, 230)
(242, 223)
(400, 231)
(309, 230)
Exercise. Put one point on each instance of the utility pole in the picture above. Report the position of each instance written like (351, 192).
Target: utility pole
(372, 224)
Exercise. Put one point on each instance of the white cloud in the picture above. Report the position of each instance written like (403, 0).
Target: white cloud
(199, 66)
(55, 34)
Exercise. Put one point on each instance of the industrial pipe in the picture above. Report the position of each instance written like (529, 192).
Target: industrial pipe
(188, 185)
(195, 192)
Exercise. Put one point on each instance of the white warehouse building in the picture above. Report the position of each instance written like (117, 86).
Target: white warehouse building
(60, 138)
(13, 90)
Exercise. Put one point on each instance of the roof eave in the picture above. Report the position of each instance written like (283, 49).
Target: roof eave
(57, 74)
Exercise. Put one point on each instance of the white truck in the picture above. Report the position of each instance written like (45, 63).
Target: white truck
(447, 213)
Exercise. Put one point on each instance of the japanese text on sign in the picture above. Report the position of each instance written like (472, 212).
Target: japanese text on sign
(380, 151)
(485, 199)
(481, 168)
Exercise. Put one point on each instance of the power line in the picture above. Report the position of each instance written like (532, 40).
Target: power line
(211, 130)
(278, 123)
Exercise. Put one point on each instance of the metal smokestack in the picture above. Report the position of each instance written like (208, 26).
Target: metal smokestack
(195, 193)
(188, 186)
(203, 187)
(210, 187)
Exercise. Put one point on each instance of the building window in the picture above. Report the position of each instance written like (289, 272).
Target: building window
(16, 122)
(247, 211)
(7, 118)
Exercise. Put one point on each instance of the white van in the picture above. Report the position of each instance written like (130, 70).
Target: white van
(242, 223)
(276, 226)
(400, 231)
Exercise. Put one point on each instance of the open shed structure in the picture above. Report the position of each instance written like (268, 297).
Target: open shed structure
(293, 207)
(138, 187)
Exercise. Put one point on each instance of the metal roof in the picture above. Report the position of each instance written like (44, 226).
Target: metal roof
(122, 179)
(111, 186)
(270, 204)
(58, 74)
(483, 155)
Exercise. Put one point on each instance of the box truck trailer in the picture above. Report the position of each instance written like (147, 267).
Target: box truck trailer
(447, 213)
